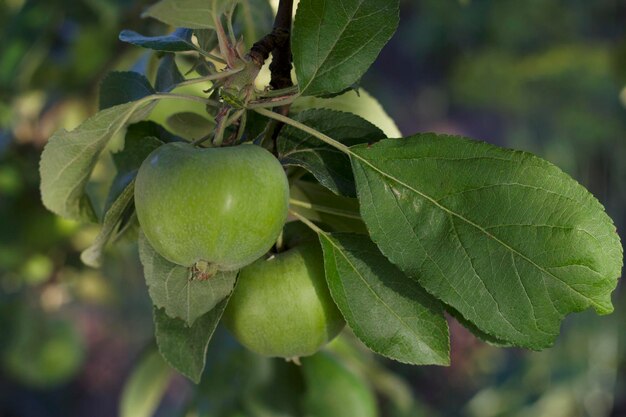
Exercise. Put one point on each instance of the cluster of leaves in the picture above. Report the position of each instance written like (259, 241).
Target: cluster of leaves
(411, 228)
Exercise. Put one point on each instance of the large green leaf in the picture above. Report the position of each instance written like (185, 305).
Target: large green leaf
(192, 14)
(92, 256)
(174, 288)
(69, 157)
(184, 347)
(505, 238)
(389, 312)
(335, 42)
(329, 166)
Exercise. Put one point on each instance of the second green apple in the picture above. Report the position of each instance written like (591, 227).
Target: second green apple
(281, 306)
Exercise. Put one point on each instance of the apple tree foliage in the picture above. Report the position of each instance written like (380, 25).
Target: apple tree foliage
(411, 227)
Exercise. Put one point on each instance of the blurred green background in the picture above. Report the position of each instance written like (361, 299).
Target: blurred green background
(546, 76)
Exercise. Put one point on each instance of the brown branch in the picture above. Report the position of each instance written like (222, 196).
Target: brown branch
(278, 43)
(281, 54)
(261, 50)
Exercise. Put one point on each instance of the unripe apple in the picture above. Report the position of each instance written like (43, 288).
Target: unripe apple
(221, 207)
(281, 306)
(333, 389)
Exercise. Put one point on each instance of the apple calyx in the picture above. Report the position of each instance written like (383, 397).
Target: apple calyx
(203, 270)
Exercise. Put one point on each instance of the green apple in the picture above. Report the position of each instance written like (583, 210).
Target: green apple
(281, 306)
(333, 389)
(221, 207)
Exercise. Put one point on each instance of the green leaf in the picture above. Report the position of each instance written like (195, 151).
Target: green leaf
(253, 20)
(69, 157)
(330, 166)
(92, 256)
(190, 125)
(184, 347)
(334, 390)
(505, 238)
(487, 338)
(192, 14)
(120, 87)
(168, 76)
(174, 288)
(255, 127)
(389, 312)
(145, 387)
(318, 204)
(207, 39)
(140, 140)
(359, 102)
(335, 42)
(177, 41)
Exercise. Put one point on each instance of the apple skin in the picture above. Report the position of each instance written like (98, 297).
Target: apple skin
(223, 206)
(281, 306)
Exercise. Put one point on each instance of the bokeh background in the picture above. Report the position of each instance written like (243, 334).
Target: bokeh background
(546, 76)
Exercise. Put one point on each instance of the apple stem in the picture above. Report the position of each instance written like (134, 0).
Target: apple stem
(324, 209)
(273, 101)
(242, 127)
(222, 122)
(308, 222)
(280, 242)
(166, 96)
(203, 139)
(235, 116)
(212, 77)
(294, 89)
(295, 360)
(211, 56)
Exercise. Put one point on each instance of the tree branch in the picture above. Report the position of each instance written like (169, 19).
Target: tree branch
(278, 43)
(281, 54)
